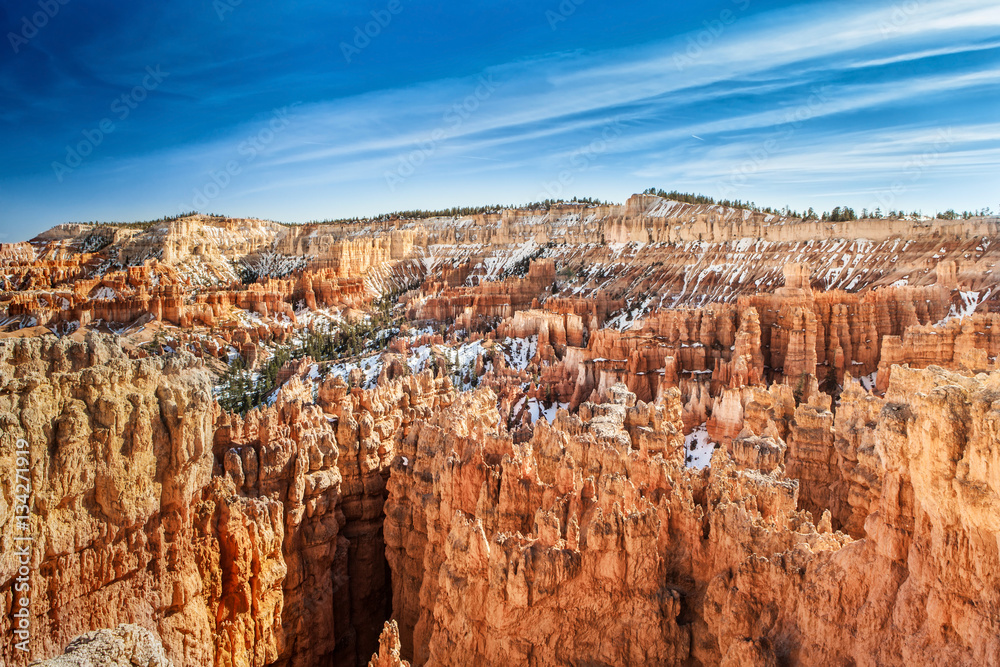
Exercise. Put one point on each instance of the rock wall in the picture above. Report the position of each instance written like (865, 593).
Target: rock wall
(119, 453)
(848, 515)
(245, 541)
(585, 544)
(125, 645)
(116, 298)
(921, 587)
(254, 541)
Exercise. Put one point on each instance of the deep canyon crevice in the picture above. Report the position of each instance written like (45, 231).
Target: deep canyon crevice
(649, 434)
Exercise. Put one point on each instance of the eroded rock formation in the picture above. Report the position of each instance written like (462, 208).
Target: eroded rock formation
(125, 646)
(119, 451)
(585, 544)
(654, 433)
(250, 540)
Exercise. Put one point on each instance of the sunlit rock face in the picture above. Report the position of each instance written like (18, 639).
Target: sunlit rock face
(120, 451)
(533, 550)
(125, 645)
(654, 433)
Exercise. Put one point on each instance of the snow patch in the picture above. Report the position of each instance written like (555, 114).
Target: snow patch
(536, 409)
(970, 301)
(868, 381)
(519, 352)
(698, 448)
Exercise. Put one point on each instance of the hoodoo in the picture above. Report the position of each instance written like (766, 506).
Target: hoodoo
(649, 433)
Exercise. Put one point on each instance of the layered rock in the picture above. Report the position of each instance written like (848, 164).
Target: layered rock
(554, 330)
(368, 427)
(971, 343)
(531, 552)
(251, 540)
(486, 300)
(908, 593)
(125, 646)
(119, 452)
(513, 542)
(520, 551)
(490, 532)
(388, 648)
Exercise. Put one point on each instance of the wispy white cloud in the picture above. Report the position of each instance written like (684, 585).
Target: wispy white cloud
(575, 93)
(814, 85)
(926, 53)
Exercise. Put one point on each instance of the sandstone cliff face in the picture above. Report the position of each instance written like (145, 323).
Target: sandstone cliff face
(267, 528)
(119, 451)
(368, 427)
(125, 646)
(584, 544)
(548, 513)
(608, 264)
(535, 552)
(249, 541)
(908, 593)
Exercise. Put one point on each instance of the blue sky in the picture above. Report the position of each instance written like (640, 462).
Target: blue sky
(289, 111)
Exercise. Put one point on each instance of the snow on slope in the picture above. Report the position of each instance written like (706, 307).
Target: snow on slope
(698, 448)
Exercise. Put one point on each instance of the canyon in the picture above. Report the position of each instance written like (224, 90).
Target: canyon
(648, 433)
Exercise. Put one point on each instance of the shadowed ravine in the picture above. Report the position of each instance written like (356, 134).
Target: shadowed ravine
(516, 443)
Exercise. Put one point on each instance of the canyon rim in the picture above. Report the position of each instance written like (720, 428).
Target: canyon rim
(650, 433)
